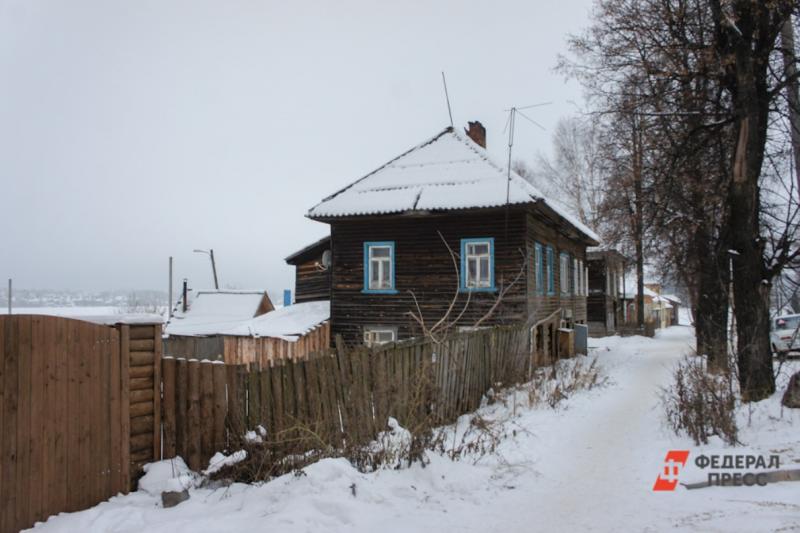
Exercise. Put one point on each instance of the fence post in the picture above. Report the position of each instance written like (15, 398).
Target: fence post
(168, 407)
(157, 347)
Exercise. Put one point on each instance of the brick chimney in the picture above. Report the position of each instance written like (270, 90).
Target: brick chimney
(477, 133)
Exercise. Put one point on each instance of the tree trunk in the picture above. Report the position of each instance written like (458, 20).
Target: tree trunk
(712, 307)
(747, 57)
(751, 288)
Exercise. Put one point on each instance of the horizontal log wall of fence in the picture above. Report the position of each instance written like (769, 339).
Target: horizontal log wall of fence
(143, 390)
(337, 395)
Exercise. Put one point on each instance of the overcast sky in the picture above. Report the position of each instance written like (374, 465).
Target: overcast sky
(132, 131)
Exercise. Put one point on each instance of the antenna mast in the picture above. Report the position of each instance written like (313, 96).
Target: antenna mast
(447, 97)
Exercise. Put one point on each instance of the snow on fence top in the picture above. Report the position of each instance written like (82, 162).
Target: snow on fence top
(449, 171)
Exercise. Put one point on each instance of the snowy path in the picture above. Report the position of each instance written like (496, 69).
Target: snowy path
(587, 466)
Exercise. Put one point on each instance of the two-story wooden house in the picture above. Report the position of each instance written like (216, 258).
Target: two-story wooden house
(443, 231)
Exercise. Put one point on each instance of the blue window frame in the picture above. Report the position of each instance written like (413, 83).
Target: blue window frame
(379, 267)
(477, 265)
(551, 274)
(538, 266)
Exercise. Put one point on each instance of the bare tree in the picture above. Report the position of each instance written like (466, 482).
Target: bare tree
(443, 325)
(575, 174)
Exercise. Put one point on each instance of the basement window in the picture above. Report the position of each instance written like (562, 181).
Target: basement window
(477, 264)
(374, 336)
(379, 267)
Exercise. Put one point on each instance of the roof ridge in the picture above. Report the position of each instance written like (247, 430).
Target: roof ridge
(359, 180)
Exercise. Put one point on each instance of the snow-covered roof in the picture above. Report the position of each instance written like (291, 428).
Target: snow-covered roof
(213, 312)
(288, 323)
(315, 247)
(631, 294)
(449, 171)
(672, 298)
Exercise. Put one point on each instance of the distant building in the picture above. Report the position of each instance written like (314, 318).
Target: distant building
(604, 306)
(243, 327)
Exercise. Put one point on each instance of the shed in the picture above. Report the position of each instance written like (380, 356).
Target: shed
(312, 271)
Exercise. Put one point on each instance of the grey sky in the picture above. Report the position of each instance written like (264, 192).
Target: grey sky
(131, 131)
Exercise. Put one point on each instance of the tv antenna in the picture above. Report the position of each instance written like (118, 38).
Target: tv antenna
(447, 98)
(511, 127)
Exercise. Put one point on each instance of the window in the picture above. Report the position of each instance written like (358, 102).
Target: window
(564, 272)
(538, 267)
(477, 264)
(551, 275)
(379, 267)
(373, 336)
(576, 276)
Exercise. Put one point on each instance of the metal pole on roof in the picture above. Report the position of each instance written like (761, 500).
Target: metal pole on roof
(447, 97)
(511, 119)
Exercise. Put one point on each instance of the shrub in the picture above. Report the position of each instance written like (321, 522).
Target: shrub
(700, 403)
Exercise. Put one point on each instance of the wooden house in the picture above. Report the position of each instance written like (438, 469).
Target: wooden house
(661, 309)
(604, 305)
(443, 234)
(676, 305)
(312, 271)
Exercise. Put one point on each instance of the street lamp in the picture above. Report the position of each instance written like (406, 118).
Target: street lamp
(210, 253)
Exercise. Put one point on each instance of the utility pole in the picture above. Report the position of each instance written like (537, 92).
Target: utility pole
(169, 309)
(638, 225)
(214, 269)
(9, 296)
(210, 253)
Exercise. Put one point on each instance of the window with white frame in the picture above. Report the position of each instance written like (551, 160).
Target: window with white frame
(477, 264)
(373, 336)
(379, 267)
(564, 273)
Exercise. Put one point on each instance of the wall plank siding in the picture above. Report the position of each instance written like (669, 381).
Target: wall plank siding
(423, 265)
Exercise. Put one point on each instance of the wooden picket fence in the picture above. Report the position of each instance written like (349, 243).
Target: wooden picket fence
(340, 396)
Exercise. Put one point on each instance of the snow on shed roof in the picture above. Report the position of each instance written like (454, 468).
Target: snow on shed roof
(213, 312)
(288, 323)
(314, 247)
(449, 171)
(631, 294)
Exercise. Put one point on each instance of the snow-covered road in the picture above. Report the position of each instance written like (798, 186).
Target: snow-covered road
(588, 465)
